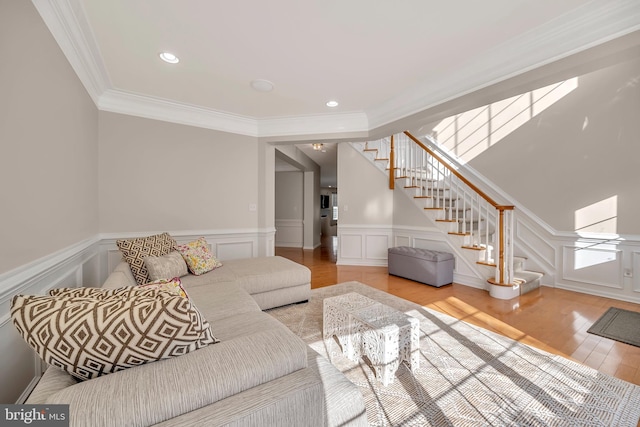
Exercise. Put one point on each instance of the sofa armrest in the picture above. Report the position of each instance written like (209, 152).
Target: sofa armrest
(121, 276)
(159, 391)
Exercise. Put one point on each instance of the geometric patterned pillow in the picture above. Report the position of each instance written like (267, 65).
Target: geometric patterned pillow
(198, 256)
(100, 293)
(92, 337)
(135, 250)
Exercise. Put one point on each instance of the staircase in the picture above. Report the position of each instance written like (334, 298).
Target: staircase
(475, 226)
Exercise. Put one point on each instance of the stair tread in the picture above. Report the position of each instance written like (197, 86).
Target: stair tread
(446, 220)
(455, 233)
(381, 158)
(370, 149)
(527, 276)
(489, 264)
(474, 248)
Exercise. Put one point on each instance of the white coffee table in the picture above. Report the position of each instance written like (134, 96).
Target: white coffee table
(367, 327)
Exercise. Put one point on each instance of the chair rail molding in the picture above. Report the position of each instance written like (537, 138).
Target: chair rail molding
(21, 366)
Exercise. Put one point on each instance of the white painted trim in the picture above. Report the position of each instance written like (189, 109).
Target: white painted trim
(314, 125)
(635, 270)
(566, 273)
(471, 281)
(118, 101)
(256, 242)
(27, 391)
(186, 234)
(363, 227)
(68, 24)
(586, 26)
(366, 242)
(598, 292)
(18, 279)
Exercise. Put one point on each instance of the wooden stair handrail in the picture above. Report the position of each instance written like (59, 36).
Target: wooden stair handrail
(501, 208)
(462, 178)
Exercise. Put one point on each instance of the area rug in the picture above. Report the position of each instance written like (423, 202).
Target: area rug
(618, 324)
(469, 376)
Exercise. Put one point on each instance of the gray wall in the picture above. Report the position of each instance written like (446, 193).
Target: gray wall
(365, 198)
(48, 167)
(160, 176)
(289, 195)
(581, 150)
(48, 143)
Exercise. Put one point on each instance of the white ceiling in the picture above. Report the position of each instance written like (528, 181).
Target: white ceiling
(381, 60)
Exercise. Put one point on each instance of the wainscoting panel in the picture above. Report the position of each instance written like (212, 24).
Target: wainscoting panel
(376, 247)
(88, 263)
(635, 270)
(402, 240)
(536, 243)
(350, 246)
(235, 250)
(20, 367)
(601, 267)
(225, 244)
(289, 233)
(363, 245)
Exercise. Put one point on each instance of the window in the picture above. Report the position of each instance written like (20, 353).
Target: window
(334, 206)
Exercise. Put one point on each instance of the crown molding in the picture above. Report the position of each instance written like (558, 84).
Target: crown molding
(593, 23)
(314, 125)
(132, 104)
(67, 23)
(587, 26)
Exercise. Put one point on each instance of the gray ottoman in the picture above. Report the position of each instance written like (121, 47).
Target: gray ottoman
(433, 268)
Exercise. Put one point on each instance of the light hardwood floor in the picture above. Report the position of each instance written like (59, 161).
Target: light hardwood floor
(552, 319)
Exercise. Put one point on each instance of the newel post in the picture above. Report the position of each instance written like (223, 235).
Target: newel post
(392, 163)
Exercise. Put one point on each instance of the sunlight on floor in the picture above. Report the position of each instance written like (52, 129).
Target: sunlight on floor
(468, 313)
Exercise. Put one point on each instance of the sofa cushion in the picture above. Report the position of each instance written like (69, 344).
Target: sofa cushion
(120, 276)
(198, 257)
(265, 274)
(222, 274)
(135, 250)
(220, 300)
(89, 337)
(160, 391)
(166, 266)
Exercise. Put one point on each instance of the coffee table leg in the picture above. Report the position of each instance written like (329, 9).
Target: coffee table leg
(381, 347)
(414, 344)
(336, 322)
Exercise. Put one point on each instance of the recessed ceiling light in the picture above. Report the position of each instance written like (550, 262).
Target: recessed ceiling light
(169, 57)
(262, 85)
(332, 104)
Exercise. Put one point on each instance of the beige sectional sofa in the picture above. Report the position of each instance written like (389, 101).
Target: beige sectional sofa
(259, 374)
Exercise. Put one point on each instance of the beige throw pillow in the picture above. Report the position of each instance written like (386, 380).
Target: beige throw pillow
(166, 266)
